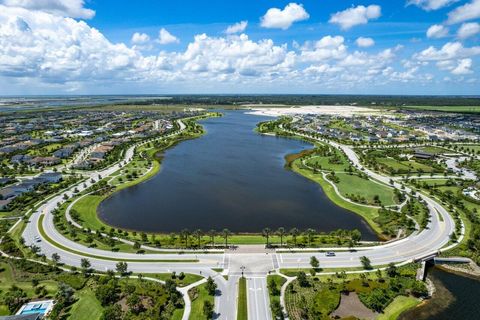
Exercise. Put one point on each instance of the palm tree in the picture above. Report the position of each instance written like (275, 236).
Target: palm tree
(212, 233)
(281, 232)
(226, 233)
(185, 233)
(310, 233)
(198, 234)
(266, 233)
(294, 233)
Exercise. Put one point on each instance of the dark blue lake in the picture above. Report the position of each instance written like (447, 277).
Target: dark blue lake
(231, 178)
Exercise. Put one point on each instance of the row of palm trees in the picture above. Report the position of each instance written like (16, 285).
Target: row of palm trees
(267, 233)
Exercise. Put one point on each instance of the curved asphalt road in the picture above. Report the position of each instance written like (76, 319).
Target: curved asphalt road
(256, 265)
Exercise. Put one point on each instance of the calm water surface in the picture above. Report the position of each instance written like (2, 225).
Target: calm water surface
(230, 178)
(456, 298)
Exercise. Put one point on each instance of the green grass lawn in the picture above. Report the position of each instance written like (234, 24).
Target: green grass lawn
(369, 214)
(324, 162)
(242, 311)
(196, 312)
(352, 184)
(87, 209)
(187, 280)
(87, 307)
(399, 305)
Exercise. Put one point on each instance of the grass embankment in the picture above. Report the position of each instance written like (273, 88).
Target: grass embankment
(87, 255)
(199, 295)
(369, 214)
(87, 307)
(399, 305)
(242, 311)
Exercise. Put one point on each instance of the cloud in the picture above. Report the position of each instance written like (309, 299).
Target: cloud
(67, 8)
(165, 37)
(355, 16)
(283, 19)
(429, 5)
(449, 51)
(466, 12)
(468, 30)
(237, 27)
(463, 67)
(456, 67)
(364, 42)
(326, 48)
(140, 38)
(40, 50)
(437, 31)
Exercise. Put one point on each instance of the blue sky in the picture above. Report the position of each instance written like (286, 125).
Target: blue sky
(311, 46)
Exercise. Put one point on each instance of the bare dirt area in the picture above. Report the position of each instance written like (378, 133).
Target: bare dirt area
(350, 305)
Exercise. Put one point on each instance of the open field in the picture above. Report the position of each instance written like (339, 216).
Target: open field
(368, 189)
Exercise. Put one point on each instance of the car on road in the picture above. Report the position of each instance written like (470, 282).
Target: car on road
(37, 239)
(330, 254)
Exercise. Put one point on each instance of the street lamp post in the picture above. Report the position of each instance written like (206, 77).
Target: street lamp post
(243, 269)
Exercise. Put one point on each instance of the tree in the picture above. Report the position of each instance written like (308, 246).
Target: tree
(134, 303)
(314, 262)
(281, 233)
(211, 286)
(277, 311)
(391, 270)
(85, 264)
(208, 309)
(184, 234)
(366, 262)
(136, 245)
(272, 286)
(212, 233)
(266, 233)
(14, 297)
(226, 233)
(294, 232)
(113, 312)
(121, 267)
(310, 233)
(302, 279)
(55, 257)
(198, 234)
(356, 235)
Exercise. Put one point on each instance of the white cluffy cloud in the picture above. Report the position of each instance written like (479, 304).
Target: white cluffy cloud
(429, 5)
(67, 8)
(237, 27)
(165, 37)
(437, 31)
(449, 51)
(283, 19)
(140, 38)
(456, 67)
(364, 42)
(355, 16)
(45, 52)
(468, 11)
(468, 30)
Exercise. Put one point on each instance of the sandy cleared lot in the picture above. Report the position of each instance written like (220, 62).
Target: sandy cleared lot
(346, 111)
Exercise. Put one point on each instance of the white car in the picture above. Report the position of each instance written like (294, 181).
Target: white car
(330, 254)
